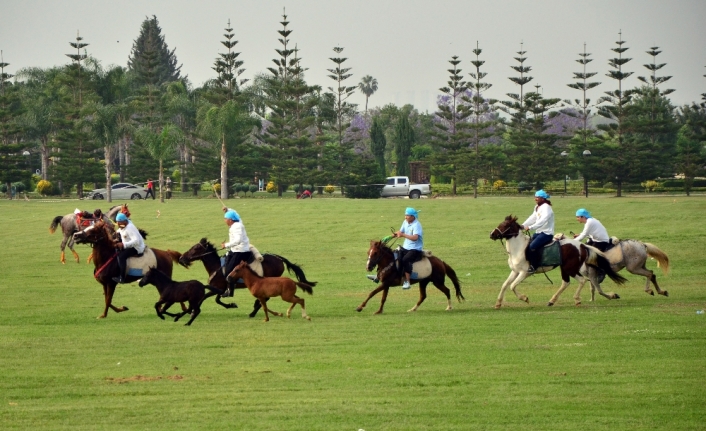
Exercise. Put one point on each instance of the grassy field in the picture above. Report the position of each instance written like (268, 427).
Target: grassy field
(631, 364)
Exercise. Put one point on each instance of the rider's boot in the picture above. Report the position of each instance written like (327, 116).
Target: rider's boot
(373, 278)
(121, 278)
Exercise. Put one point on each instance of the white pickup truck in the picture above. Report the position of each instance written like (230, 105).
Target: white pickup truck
(400, 186)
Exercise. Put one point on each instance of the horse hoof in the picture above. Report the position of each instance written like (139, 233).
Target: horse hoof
(102, 316)
(577, 304)
(665, 293)
(378, 312)
(308, 318)
(549, 304)
(651, 292)
(359, 309)
(616, 296)
(497, 306)
(524, 298)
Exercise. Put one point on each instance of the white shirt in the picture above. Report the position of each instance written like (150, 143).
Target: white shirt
(131, 237)
(541, 220)
(594, 230)
(238, 241)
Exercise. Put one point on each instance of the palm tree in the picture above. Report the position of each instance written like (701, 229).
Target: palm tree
(160, 146)
(368, 85)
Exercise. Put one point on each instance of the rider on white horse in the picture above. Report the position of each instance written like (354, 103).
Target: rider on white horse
(594, 230)
(542, 222)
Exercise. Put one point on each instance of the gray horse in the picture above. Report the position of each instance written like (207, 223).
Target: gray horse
(632, 255)
(69, 227)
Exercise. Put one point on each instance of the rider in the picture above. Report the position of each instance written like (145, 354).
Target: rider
(131, 244)
(238, 245)
(411, 250)
(594, 230)
(542, 222)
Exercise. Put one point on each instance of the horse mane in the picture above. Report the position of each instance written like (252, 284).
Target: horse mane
(161, 277)
(207, 244)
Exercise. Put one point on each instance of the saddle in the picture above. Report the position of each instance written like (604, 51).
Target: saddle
(85, 219)
(137, 266)
(255, 263)
(420, 269)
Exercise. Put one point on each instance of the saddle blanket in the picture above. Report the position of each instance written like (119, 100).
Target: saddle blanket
(551, 254)
(138, 266)
(420, 269)
(255, 265)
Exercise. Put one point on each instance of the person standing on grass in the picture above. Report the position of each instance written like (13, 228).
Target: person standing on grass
(150, 188)
(542, 222)
(593, 230)
(238, 246)
(411, 251)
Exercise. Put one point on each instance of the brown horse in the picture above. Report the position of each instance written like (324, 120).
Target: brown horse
(272, 266)
(576, 258)
(264, 288)
(100, 235)
(382, 256)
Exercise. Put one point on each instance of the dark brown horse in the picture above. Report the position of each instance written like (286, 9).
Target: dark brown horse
(100, 235)
(171, 291)
(264, 288)
(272, 266)
(382, 256)
(576, 258)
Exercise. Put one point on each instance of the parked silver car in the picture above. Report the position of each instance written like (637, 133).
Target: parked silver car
(119, 191)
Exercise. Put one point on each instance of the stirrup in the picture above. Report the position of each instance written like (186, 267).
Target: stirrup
(373, 278)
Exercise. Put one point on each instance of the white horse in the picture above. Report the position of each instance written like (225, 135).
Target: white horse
(632, 255)
(576, 258)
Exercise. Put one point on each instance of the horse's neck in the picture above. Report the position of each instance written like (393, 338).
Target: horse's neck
(211, 262)
(516, 245)
(102, 252)
(387, 257)
(161, 282)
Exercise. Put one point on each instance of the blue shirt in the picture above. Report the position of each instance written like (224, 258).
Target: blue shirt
(414, 228)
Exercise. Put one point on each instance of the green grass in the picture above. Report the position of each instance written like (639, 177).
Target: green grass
(635, 363)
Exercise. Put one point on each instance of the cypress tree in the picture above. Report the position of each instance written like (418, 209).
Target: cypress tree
(151, 58)
(378, 143)
(344, 111)
(404, 140)
(228, 67)
(13, 163)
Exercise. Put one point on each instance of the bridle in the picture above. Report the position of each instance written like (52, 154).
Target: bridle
(197, 257)
(374, 263)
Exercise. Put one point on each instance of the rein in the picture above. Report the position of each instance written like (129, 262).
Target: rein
(97, 273)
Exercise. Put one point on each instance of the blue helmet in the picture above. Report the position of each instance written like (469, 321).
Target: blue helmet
(542, 194)
(121, 217)
(231, 214)
(411, 212)
(582, 212)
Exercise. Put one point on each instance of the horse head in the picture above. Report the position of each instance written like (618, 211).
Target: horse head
(92, 234)
(377, 251)
(147, 278)
(124, 210)
(197, 252)
(509, 228)
(238, 271)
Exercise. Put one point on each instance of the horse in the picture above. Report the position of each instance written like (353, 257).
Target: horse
(272, 266)
(576, 258)
(171, 291)
(69, 227)
(100, 235)
(632, 255)
(382, 256)
(264, 288)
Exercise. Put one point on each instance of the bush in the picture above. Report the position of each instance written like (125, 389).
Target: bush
(217, 188)
(271, 187)
(44, 187)
(253, 189)
(650, 185)
(364, 191)
(329, 189)
(497, 185)
(523, 187)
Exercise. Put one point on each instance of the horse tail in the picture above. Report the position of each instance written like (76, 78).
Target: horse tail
(661, 257)
(174, 255)
(305, 287)
(213, 289)
(597, 259)
(55, 223)
(454, 279)
(292, 267)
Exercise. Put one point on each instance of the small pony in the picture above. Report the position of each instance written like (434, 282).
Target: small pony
(264, 288)
(171, 291)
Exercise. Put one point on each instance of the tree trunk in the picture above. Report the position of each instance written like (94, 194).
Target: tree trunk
(224, 170)
(44, 153)
(122, 146)
(619, 192)
(108, 168)
(161, 182)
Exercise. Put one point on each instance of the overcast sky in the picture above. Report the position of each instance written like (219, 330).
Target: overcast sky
(405, 45)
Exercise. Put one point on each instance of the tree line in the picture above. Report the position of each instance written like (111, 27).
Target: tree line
(82, 123)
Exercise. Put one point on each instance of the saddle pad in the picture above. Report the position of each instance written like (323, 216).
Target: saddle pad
(551, 254)
(421, 269)
(139, 265)
(256, 254)
(255, 265)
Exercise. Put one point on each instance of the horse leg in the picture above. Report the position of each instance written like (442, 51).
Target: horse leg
(659, 291)
(158, 309)
(108, 292)
(422, 295)
(304, 315)
(650, 276)
(63, 248)
(382, 301)
(596, 286)
(264, 307)
(373, 293)
(446, 291)
(577, 296)
(90, 258)
(71, 247)
(194, 312)
(555, 298)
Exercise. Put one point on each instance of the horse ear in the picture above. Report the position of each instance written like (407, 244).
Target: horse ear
(203, 241)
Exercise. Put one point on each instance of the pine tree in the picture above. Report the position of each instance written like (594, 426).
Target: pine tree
(77, 156)
(615, 108)
(450, 137)
(228, 67)
(13, 163)
(344, 111)
(483, 121)
(151, 58)
(291, 103)
(585, 139)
